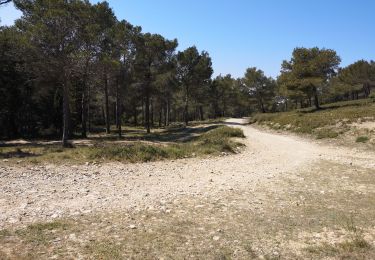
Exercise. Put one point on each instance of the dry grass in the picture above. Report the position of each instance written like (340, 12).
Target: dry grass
(321, 123)
(170, 144)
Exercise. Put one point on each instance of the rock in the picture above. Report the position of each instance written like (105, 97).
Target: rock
(56, 240)
(133, 227)
(5, 160)
(216, 238)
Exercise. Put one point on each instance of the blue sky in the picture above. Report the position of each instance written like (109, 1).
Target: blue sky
(244, 33)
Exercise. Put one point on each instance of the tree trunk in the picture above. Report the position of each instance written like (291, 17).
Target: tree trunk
(186, 109)
(160, 115)
(106, 104)
(262, 106)
(201, 113)
(118, 110)
(66, 114)
(147, 112)
(135, 115)
(88, 107)
(167, 113)
(367, 89)
(84, 112)
(316, 98)
(152, 112)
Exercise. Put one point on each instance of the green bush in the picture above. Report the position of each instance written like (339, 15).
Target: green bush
(362, 139)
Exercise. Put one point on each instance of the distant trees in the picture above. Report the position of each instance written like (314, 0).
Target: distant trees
(309, 71)
(260, 88)
(69, 67)
(194, 73)
(354, 79)
(75, 66)
(151, 59)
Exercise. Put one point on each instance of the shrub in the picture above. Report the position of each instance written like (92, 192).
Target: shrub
(362, 139)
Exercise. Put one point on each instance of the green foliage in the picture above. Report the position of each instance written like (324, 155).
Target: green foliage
(307, 73)
(362, 139)
(260, 88)
(194, 71)
(41, 233)
(354, 79)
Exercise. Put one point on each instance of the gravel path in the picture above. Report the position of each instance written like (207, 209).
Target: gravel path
(40, 193)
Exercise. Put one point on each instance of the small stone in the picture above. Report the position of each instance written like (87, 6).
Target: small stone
(132, 227)
(216, 238)
(56, 240)
(5, 160)
(72, 236)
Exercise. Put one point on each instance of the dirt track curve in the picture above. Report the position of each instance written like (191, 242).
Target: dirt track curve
(42, 193)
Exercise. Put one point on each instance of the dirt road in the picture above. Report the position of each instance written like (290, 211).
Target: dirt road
(273, 172)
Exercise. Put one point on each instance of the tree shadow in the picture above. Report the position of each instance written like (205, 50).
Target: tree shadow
(18, 153)
(173, 134)
(180, 134)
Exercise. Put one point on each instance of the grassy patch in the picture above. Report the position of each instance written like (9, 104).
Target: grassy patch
(362, 139)
(326, 133)
(104, 250)
(351, 249)
(311, 121)
(41, 233)
(137, 147)
(211, 142)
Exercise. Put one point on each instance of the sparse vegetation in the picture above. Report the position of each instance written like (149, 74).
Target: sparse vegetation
(169, 144)
(362, 139)
(328, 122)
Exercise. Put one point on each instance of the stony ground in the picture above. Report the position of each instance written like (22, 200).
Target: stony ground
(281, 197)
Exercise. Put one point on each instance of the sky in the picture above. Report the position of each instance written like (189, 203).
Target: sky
(239, 34)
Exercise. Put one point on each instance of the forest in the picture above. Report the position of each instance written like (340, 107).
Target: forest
(68, 68)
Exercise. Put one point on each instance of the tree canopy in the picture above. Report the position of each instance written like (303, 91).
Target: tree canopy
(68, 68)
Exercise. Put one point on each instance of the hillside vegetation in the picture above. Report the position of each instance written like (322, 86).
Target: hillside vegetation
(350, 118)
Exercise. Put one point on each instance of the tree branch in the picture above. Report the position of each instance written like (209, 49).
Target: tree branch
(5, 1)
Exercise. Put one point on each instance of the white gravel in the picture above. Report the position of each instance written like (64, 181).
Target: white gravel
(39, 193)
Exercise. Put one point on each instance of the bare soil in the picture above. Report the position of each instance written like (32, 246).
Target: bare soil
(281, 197)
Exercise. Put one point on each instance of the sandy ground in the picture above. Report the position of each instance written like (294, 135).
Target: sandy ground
(39, 193)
